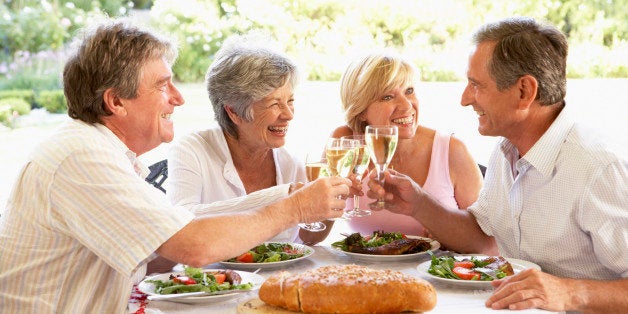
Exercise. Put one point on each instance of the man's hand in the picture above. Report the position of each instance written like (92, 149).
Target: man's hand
(399, 190)
(532, 288)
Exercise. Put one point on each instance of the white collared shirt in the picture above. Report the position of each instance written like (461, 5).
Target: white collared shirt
(80, 225)
(564, 205)
(203, 178)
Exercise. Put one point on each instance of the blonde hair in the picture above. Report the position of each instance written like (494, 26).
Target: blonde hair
(368, 78)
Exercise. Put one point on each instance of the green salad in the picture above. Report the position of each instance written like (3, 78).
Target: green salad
(378, 238)
(473, 268)
(195, 280)
(270, 252)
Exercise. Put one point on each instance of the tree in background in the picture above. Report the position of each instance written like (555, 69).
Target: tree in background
(321, 35)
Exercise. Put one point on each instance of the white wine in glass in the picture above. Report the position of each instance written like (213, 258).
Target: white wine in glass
(315, 166)
(341, 158)
(381, 142)
(362, 163)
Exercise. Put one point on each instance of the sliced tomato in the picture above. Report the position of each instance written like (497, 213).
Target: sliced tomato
(245, 258)
(290, 250)
(185, 280)
(464, 264)
(466, 274)
(220, 277)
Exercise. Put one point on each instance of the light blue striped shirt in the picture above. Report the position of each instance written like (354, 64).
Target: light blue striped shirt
(80, 225)
(563, 205)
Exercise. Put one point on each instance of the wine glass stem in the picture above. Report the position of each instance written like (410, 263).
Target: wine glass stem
(380, 179)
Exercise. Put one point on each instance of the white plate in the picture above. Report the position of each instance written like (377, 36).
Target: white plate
(270, 265)
(392, 258)
(149, 288)
(517, 265)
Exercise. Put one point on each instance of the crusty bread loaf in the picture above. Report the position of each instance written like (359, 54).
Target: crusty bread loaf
(348, 289)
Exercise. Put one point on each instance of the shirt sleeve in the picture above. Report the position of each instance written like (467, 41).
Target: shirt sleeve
(254, 200)
(604, 215)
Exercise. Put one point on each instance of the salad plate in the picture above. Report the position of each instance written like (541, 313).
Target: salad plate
(306, 250)
(517, 266)
(392, 258)
(148, 288)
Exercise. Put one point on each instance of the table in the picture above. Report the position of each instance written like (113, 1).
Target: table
(450, 299)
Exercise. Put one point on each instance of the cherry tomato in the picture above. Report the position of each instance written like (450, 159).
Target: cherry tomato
(220, 277)
(184, 280)
(464, 264)
(466, 274)
(245, 258)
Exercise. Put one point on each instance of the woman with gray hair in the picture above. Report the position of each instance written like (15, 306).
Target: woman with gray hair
(251, 89)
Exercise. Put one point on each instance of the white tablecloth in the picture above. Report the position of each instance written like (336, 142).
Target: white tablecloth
(450, 299)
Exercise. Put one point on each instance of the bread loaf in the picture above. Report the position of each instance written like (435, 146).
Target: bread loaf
(348, 289)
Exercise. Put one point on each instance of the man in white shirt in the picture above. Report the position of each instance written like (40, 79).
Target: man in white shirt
(553, 194)
(81, 223)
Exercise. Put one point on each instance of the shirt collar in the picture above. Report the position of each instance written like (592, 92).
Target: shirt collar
(542, 156)
(140, 168)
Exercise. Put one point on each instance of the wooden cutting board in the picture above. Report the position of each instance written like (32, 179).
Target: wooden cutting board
(257, 306)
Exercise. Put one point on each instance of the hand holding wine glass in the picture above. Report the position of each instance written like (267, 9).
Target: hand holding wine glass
(362, 163)
(381, 142)
(315, 166)
(341, 157)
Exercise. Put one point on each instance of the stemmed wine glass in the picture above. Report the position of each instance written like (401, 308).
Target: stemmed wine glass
(362, 163)
(315, 166)
(381, 142)
(341, 157)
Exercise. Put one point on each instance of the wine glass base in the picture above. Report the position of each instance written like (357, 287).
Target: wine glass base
(358, 212)
(313, 227)
(379, 205)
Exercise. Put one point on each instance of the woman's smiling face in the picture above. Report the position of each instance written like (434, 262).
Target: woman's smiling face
(271, 119)
(398, 106)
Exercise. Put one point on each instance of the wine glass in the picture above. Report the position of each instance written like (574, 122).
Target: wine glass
(341, 157)
(362, 163)
(381, 142)
(315, 166)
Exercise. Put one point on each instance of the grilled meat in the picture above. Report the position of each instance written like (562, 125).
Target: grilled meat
(397, 247)
(498, 262)
(233, 277)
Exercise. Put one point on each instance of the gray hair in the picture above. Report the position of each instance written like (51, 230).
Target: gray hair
(524, 47)
(245, 71)
(110, 56)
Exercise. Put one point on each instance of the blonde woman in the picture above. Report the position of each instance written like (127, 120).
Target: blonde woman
(379, 89)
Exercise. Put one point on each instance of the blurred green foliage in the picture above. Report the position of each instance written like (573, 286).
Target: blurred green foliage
(52, 100)
(321, 35)
(10, 108)
(28, 95)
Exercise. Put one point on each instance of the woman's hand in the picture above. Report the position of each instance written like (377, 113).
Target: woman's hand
(356, 186)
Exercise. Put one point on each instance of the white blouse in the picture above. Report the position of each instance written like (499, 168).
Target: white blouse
(203, 178)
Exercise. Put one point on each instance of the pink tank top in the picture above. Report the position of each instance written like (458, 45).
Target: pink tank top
(438, 184)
